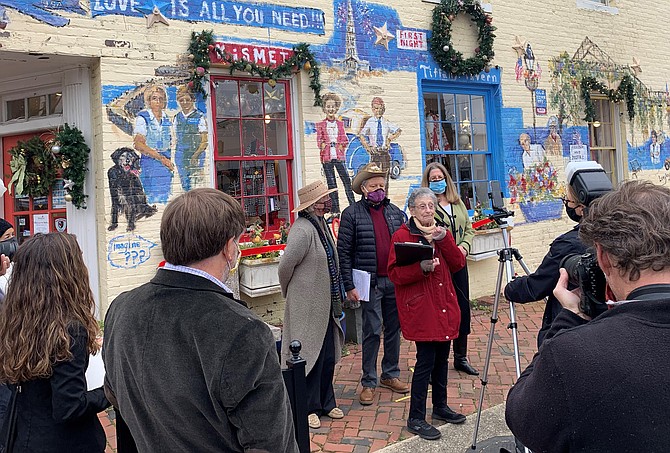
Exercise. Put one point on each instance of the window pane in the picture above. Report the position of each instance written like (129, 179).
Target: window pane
(228, 138)
(467, 195)
(448, 136)
(448, 112)
(37, 106)
(58, 195)
(430, 106)
(228, 177)
(227, 99)
(448, 160)
(16, 109)
(479, 136)
(605, 111)
(253, 138)
(22, 224)
(464, 167)
(41, 203)
(482, 194)
(254, 209)
(252, 179)
(478, 113)
(433, 134)
(275, 102)
(463, 109)
(55, 104)
(251, 99)
(277, 137)
(278, 212)
(464, 138)
(480, 168)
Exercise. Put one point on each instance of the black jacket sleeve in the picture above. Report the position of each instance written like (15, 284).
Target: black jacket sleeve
(69, 396)
(541, 283)
(346, 248)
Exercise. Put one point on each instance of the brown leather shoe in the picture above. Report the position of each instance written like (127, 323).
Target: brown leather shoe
(394, 384)
(366, 396)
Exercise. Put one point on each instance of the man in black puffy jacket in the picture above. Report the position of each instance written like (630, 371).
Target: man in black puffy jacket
(363, 243)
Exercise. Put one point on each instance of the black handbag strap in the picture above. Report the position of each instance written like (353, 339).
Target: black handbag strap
(11, 430)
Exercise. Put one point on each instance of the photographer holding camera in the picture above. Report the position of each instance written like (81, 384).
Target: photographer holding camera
(541, 283)
(601, 385)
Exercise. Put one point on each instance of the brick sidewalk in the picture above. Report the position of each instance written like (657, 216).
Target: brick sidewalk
(368, 428)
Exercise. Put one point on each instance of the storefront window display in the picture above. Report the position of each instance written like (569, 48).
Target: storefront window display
(254, 149)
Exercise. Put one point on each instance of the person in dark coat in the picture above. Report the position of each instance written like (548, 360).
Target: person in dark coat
(601, 385)
(541, 283)
(48, 331)
(363, 243)
(210, 377)
(428, 310)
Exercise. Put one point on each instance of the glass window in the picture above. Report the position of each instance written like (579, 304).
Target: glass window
(254, 148)
(16, 109)
(37, 106)
(55, 104)
(457, 135)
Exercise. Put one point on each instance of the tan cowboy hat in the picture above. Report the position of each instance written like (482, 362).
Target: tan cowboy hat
(369, 171)
(311, 193)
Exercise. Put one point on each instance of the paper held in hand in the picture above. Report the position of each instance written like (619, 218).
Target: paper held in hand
(362, 283)
(407, 253)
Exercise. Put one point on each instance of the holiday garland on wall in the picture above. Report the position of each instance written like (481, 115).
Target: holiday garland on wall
(35, 165)
(202, 47)
(624, 91)
(441, 46)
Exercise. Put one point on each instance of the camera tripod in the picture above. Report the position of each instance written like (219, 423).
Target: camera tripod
(506, 267)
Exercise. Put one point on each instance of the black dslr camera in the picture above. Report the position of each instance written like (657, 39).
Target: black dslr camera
(584, 272)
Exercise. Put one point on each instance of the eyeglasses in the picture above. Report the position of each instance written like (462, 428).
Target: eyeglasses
(423, 207)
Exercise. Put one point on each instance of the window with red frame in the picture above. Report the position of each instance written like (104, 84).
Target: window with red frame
(254, 148)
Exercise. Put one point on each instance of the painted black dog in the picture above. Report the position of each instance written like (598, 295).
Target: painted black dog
(126, 189)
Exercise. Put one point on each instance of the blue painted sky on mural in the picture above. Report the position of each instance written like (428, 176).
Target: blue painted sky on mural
(44, 10)
(639, 157)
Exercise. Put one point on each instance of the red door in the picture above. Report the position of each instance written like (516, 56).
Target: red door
(32, 215)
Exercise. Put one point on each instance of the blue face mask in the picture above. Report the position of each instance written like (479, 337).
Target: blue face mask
(438, 186)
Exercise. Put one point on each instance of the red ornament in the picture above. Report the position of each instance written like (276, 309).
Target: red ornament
(477, 50)
(210, 47)
(200, 71)
(190, 84)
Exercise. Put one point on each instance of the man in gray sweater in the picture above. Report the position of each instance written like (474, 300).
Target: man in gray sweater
(189, 367)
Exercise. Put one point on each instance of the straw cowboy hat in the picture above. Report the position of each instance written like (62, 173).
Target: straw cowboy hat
(369, 171)
(311, 193)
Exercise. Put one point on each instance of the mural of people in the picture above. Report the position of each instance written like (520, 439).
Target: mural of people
(377, 135)
(153, 139)
(332, 141)
(655, 149)
(532, 153)
(191, 138)
(553, 144)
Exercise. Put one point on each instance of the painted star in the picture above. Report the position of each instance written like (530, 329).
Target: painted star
(519, 45)
(383, 36)
(156, 16)
(636, 66)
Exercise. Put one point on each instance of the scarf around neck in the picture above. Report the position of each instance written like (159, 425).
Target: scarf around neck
(426, 231)
(336, 286)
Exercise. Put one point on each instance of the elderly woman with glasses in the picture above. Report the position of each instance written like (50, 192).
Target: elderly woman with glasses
(428, 309)
(450, 212)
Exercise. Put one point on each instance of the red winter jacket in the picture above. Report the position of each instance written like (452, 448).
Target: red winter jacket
(427, 304)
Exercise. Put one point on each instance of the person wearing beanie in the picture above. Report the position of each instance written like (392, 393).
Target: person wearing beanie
(541, 283)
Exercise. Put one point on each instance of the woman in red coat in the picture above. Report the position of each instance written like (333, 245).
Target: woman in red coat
(428, 310)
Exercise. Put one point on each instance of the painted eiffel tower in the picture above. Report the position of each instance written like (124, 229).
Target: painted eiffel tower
(351, 63)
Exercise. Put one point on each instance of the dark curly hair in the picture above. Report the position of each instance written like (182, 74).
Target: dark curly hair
(632, 224)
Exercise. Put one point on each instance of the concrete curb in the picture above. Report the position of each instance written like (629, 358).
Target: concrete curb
(457, 438)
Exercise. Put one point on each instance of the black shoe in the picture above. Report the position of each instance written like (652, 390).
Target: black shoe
(464, 366)
(446, 414)
(423, 429)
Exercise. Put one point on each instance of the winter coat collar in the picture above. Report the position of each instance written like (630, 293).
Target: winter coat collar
(183, 280)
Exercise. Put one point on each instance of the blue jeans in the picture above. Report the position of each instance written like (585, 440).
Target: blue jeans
(380, 313)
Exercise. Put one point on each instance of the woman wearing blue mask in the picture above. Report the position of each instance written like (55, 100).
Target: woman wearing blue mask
(451, 213)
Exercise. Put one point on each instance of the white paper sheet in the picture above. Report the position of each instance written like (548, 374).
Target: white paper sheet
(362, 283)
(95, 373)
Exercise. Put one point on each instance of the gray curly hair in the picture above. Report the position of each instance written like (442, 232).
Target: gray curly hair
(421, 192)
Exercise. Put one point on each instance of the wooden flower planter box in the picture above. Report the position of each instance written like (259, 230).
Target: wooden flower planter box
(485, 244)
(259, 277)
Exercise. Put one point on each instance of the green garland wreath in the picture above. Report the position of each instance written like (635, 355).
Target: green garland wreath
(202, 46)
(73, 158)
(450, 59)
(34, 168)
(626, 91)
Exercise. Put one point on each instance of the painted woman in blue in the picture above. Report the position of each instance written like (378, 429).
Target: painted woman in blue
(191, 137)
(153, 139)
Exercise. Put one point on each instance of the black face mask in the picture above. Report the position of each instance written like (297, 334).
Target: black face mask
(8, 247)
(572, 214)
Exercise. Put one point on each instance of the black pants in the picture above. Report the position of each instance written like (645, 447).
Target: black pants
(329, 170)
(431, 365)
(320, 394)
(462, 287)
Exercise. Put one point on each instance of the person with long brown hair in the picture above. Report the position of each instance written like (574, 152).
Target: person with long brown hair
(48, 330)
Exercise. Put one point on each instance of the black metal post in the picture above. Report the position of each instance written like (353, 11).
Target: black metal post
(296, 384)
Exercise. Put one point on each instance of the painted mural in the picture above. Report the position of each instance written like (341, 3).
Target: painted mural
(234, 12)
